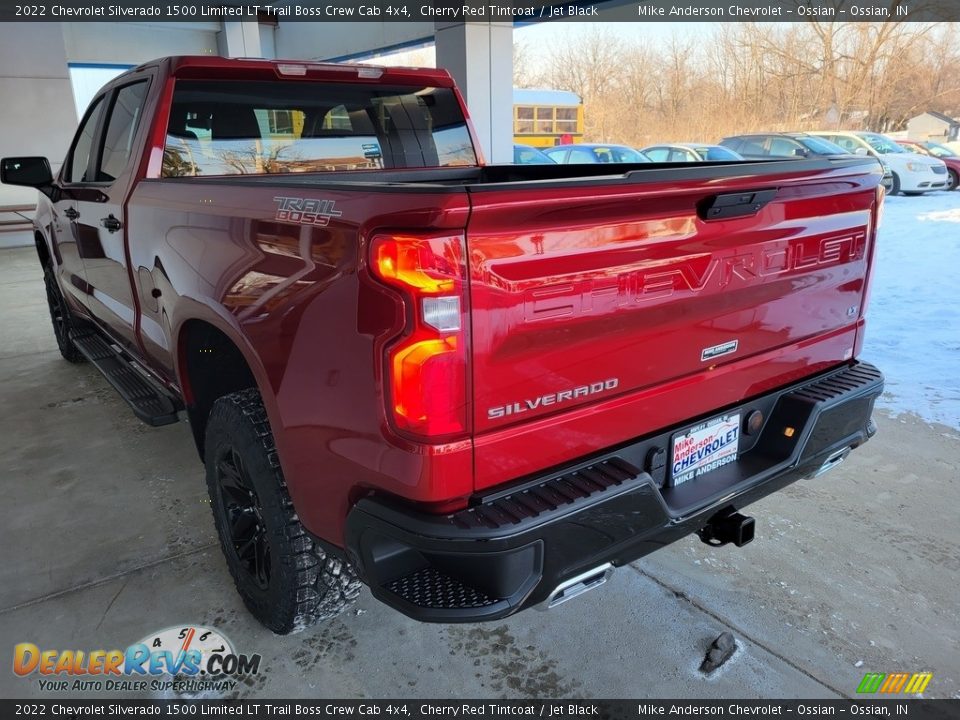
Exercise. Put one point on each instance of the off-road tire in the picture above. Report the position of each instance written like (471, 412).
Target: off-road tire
(62, 319)
(304, 583)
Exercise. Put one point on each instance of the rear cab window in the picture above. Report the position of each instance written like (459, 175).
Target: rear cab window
(243, 128)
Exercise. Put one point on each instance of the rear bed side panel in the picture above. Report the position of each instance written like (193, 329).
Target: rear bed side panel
(297, 301)
(595, 309)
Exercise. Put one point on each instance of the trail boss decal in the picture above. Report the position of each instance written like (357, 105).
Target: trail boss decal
(306, 211)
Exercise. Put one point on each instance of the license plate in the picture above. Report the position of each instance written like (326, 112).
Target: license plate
(703, 448)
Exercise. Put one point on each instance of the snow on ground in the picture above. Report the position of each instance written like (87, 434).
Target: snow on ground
(913, 319)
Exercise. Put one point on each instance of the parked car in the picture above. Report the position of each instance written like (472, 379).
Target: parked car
(763, 146)
(527, 155)
(477, 389)
(689, 152)
(912, 174)
(949, 157)
(595, 153)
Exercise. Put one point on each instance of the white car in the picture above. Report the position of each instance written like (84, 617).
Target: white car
(912, 174)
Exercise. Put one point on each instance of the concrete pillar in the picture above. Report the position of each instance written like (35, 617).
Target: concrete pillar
(36, 114)
(480, 58)
(240, 38)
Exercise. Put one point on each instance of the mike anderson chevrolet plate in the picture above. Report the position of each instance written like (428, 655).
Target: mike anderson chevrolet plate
(704, 448)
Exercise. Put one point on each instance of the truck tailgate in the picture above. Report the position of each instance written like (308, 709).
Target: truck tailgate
(584, 292)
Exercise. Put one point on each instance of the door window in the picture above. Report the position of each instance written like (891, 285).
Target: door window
(752, 148)
(121, 130)
(844, 142)
(581, 155)
(659, 154)
(80, 155)
(782, 147)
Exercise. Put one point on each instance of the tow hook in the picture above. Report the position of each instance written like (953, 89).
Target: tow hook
(728, 526)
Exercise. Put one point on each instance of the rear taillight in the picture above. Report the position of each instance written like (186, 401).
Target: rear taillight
(427, 367)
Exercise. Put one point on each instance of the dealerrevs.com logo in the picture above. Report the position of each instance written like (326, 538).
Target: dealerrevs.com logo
(187, 658)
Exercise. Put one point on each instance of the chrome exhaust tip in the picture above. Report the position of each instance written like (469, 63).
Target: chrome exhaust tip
(582, 583)
(834, 459)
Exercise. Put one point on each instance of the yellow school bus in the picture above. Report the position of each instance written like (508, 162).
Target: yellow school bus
(544, 118)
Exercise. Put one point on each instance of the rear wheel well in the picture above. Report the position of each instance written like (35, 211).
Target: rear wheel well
(213, 366)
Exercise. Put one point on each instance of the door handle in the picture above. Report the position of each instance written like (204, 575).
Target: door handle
(111, 223)
(72, 213)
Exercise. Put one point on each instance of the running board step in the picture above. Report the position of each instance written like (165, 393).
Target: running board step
(147, 400)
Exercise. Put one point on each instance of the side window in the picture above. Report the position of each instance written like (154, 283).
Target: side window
(581, 155)
(659, 154)
(80, 156)
(783, 147)
(845, 143)
(524, 122)
(121, 130)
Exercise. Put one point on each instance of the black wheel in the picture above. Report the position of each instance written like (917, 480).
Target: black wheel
(285, 579)
(895, 190)
(953, 179)
(62, 322)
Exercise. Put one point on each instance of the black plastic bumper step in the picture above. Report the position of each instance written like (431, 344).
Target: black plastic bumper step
(147, 400)
(431, 588)
(835, 386)
(534, 500)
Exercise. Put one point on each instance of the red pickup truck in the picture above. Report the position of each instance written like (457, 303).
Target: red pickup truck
(475, 388)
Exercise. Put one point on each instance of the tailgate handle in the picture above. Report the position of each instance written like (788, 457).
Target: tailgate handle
(731, 205)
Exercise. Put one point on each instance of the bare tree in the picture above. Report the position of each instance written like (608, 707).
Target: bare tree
(753, 76)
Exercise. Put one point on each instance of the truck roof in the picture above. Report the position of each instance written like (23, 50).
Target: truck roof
(211, 66)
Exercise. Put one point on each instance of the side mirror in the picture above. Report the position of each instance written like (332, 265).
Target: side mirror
(800, 152)
(861, 151)
(29, 171)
